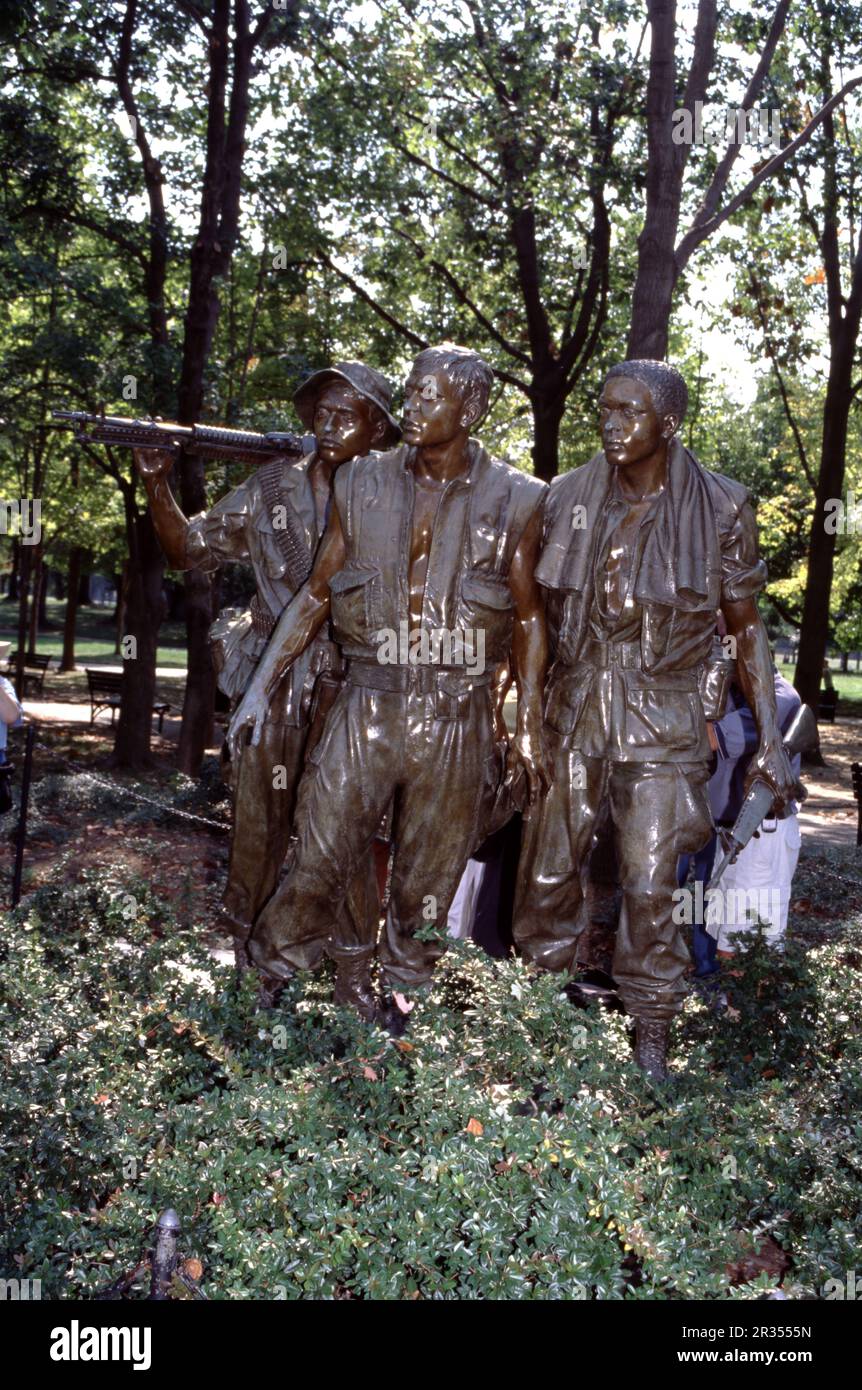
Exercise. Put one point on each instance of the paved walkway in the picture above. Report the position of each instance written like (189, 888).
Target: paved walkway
(163, 673)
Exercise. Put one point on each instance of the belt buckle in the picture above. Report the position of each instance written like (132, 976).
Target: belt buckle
(423, 679)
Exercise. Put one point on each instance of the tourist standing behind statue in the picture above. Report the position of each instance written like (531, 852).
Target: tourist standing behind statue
(756, 886)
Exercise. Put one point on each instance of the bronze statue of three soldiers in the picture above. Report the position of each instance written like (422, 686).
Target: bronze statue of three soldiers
(430, 569)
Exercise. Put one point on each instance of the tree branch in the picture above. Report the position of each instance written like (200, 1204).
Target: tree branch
(463, 298)
(372, 303)
(441, 174)
(757, 296)
(194, 12)
(703, 228)
(752, 92)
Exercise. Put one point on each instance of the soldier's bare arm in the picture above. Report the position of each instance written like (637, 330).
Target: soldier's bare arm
(171, 525)
(530, 657)
(754, 663)
(298, 625)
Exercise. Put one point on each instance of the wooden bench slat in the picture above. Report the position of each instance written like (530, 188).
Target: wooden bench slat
(34, 668)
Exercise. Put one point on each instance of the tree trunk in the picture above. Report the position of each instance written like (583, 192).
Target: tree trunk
(42, 622)
(656, 271)
(83, 582)
(24, 567)
(547, 414)
(814, 631)
(122, 598)
(73, 583)
(12, 592)
(653, 293)
(211, 256)
(38, 572)
(142, 619)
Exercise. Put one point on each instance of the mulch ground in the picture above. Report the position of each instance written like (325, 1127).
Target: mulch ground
(186, 864)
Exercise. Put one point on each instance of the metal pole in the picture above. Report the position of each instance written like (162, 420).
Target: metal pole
(164, 1254)
(21, 832)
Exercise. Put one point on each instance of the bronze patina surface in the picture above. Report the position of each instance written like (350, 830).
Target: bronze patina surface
(273, 521)
(434, 537)
(641, 546)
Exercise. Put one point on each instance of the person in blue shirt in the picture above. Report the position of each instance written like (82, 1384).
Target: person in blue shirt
(10, 713)
(736, 741)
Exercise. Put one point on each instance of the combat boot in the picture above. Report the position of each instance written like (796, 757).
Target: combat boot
(353, 987)
(651, 1047)
(270, 989)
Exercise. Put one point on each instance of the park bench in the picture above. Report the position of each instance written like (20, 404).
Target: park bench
(105, 690)
(34, 670)
(827, 706)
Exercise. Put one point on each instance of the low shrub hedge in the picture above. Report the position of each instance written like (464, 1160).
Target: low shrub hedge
(505, 1148)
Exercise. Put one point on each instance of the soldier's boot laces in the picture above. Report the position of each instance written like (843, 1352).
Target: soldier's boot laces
(651, 1047)
(353, 986)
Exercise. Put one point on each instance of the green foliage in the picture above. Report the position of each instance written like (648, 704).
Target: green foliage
(506, 1149)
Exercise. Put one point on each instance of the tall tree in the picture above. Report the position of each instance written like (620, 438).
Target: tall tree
(232, 42)
(132, 61)
(836, 31)
(673, 91)
(471, 149)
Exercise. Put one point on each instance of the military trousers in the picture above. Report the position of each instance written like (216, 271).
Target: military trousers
(265, 787)
(432, 750)
(658, 812)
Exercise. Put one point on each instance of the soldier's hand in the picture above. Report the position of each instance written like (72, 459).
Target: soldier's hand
(528, 747)
(772, 765)
(153, 463)
(250, 713)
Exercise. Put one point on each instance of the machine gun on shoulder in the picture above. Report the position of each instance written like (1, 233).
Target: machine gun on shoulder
(206, 441)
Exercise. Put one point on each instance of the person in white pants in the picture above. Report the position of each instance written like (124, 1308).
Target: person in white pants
(756, 888)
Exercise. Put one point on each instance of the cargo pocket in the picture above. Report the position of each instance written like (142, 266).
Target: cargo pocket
(353, 593)
(565, 700)
(663, 718)
(495, 807)
(486, 610)
(452, 697)
(314, 755)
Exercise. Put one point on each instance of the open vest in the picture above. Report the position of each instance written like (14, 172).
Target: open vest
(278, 499)
(480, 519)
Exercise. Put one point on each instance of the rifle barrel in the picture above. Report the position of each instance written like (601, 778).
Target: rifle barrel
(211, 441)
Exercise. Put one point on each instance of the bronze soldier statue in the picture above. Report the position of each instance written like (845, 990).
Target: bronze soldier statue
(274, 521)
(641, 546)
(434, 537)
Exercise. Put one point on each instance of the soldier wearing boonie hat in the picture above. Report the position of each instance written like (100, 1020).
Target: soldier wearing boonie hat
(274, 521)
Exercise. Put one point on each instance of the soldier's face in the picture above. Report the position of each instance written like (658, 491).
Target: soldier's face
(630, 426)
(343, 426)
(434, 410)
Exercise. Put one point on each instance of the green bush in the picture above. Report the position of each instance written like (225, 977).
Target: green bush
(506, 1148)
